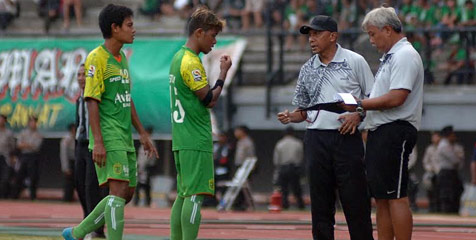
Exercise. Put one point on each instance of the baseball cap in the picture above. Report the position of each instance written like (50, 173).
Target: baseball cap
(320, 23)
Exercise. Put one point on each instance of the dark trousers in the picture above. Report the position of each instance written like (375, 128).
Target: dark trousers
(335, 161)
(68, 186)
(450, 189)
(86, 181)
(146, 187)
(432, 194)
(29, 169)
(289, 179)
(4, 177)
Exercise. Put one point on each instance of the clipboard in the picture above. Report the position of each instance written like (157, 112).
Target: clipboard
(340, 98)
(330, 106)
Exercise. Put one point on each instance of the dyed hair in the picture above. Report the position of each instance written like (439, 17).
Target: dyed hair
(205, 19)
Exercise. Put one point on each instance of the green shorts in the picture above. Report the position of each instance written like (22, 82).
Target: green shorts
(120, 165)
(195, 174)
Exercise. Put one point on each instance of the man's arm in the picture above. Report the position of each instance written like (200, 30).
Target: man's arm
(99, 152)
(210, 96)
(144, 138)
(295, 116)
(392, 99)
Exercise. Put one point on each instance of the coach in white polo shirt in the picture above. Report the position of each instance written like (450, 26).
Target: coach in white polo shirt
(393, 118)
(333, 145)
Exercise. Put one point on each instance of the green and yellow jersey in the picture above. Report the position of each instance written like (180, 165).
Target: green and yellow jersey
(108, 81)
(191, 123)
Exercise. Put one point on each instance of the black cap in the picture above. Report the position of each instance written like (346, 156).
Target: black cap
(320, 23)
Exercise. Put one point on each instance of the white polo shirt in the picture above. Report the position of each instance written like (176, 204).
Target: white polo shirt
(400, 68)
(348, 72)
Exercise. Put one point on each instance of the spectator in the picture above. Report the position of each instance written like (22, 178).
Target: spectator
(78, 12)
(67, 162)
(144, 169)
(408, 7)
(7, 145)
(231, 12)
(451, 14)
(428, 16)
(413, 181)
(468, 14)
(348, 16)
(254, 7)
(431, 166)
(50, 11)
(156, 8)
(450, 158)
(293, 19)
(277, 8)
(288, 160)
(244, 149)
(8, 11)
(458, 65)
(29, 143)
(186, 7)
(222, 160)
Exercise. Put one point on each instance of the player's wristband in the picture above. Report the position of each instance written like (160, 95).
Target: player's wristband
(218, 83)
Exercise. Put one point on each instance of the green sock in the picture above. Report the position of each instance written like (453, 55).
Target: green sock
(114, 214)
(92, 222)
(191, 216)
(175, 219)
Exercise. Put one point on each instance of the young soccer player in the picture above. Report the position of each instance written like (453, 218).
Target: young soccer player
(191, 97)
(111, 113)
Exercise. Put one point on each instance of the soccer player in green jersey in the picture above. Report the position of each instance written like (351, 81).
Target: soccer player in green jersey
(112, 114)
(191, 97)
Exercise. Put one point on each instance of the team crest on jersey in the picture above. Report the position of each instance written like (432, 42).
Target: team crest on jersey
(91, 71)
(211, 184)
(197, 75)
(117, 168)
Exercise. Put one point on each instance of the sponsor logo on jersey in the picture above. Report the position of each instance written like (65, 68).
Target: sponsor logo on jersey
(126, 170)
(197, 75)
(91, 71)
(124, 99)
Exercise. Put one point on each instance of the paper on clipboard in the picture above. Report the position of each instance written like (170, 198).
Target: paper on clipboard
(347, 98)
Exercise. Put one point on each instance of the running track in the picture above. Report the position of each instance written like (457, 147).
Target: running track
(48, 218)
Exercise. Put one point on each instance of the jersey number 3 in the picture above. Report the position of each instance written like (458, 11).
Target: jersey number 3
(178, 114)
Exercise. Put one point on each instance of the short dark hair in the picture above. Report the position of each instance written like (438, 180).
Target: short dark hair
(205, 19)
(112, 14)
(71, 126)
(149, 129)
(244, 128)
(289, 131)
(446, 131)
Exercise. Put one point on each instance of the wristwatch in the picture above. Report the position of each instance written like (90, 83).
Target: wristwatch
(360, 110)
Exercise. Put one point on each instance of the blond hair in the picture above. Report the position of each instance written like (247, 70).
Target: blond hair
(205, 19)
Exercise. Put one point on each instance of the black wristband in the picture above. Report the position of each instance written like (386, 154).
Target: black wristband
(218, 83)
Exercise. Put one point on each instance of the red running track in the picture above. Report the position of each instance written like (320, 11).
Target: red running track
(223, 225)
